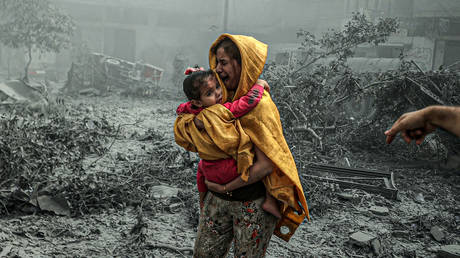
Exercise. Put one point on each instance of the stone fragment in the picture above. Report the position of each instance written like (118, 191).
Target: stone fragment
(449, 251)
(361, 239)
(400, 233)
(376, 246)
(379, 210)
(437, 233)
(419, 198)
(346, 196)
(163, 191)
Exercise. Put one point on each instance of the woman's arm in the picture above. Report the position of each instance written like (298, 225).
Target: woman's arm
(262, 167)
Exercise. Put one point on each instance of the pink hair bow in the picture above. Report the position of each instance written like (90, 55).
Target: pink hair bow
(193, 69)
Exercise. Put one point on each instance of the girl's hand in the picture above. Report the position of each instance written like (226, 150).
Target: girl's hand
(198, 123)
(214, 187)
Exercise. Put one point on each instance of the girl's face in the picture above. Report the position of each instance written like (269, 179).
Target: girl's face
(210, 93)
(228, 69)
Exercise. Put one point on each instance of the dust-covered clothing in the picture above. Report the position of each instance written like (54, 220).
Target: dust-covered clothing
(222, 221)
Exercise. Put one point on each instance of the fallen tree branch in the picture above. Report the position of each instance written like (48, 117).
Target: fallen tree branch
(427, 91)
(428, 78)
(311, 131)
(177, 249)
(290, 109)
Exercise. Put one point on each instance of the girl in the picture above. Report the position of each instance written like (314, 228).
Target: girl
(203, 91)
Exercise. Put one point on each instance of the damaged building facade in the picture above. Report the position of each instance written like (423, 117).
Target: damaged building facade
(429, 30)
(173, 34)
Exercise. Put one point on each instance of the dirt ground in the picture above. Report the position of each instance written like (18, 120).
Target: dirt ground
(428, 198)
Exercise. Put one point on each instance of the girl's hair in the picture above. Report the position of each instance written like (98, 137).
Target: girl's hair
(194, 81)
(230, 49)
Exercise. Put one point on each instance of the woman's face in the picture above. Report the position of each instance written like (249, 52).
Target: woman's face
(228, 69)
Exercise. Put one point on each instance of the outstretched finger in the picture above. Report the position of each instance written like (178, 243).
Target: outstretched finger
(390, 138)
(406, 137)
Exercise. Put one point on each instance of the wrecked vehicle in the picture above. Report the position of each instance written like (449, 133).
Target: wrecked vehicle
(106, 73)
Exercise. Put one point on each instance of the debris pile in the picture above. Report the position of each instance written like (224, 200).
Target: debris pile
(95, 73)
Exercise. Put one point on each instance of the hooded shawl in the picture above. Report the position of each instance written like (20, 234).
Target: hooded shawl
(262, 125)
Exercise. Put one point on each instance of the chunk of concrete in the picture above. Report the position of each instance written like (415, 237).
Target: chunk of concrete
(361, 239)
(400, 233)
(379, 210)
(163, 191)
(437, 233)
(376, 246)
(449, 251)
(346, 196)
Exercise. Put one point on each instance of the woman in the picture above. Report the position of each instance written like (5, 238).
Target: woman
(239, 61)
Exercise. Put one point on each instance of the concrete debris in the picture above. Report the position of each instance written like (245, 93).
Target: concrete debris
(163, 191)
(437, 233)
(419, 198)
(379, 210)
(361, 239)
(449, 251)
(90, 92)
(376, 246)
(346, 196)
(400, 234)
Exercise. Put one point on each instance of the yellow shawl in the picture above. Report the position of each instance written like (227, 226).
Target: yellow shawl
(262, 125)
(230, 140)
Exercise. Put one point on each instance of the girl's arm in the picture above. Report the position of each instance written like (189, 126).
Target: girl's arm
(261, 168)
(246, 103)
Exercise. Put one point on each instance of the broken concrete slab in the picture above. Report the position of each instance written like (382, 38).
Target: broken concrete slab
(90, 92)
(419, 198)
(400, 233)
(361, 239)
(20, 91)
(437, 233)
(379, 210)
(16, 92)
(376, 247)
(163, 191)
(449, 251)
(346, 196)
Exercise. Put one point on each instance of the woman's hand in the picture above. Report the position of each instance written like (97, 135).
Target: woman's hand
(214, 187)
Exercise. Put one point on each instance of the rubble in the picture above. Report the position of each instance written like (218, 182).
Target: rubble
(163, 191)
(378, 210)
(17, 92)
(437, 233)
(361, 239)
(107, 73)
(449, 251)
(376, 246)
(346, 177)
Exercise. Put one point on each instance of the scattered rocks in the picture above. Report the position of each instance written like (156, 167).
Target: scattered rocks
(419, 198)
(449, 251)
(400, 233)
(90, 92)
(437, 233)
(379, 210)
(163, 191)
(361, 239)
(346, 196)
(376, 246)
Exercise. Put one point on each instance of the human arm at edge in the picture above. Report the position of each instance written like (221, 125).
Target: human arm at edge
(417, 124)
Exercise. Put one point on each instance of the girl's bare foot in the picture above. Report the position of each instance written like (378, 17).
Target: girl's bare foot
(270, 205)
